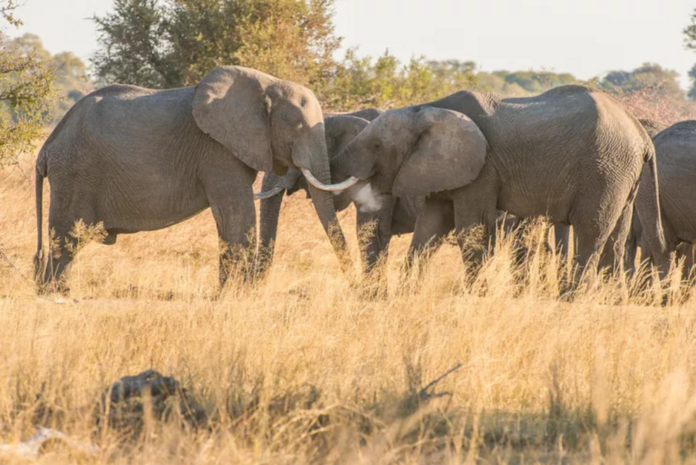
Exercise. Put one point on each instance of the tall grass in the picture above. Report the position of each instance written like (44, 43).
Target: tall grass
(302, 369)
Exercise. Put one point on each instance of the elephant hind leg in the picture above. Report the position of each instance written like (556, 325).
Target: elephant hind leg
(613, 256)
(61, 251)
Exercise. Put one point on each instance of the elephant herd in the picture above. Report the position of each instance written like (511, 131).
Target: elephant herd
(135, 159)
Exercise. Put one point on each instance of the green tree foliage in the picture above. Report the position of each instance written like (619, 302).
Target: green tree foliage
(692, 90)
(690, 42)
(172, 43)
(650, 76)
(26, 91)
(69, 73)
(385, 83)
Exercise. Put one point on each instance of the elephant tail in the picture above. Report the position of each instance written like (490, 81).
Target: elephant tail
(40, 175)
(650, 190)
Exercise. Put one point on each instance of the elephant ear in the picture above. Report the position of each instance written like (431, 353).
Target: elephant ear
(231, 106)
(449, 153)
(340, 130)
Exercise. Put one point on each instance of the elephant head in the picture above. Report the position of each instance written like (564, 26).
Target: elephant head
(339, 131)
(271, 125)
(414, 151)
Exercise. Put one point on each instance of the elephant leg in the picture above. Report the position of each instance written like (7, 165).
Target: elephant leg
(689, 261)
(561, 235)
(647, 246)
(632, 243)
(434, 222)
(470, 210)
(374, 235)
(66, 209)
(613, 256)
(268, 224)
(228, 187)
(62, 248)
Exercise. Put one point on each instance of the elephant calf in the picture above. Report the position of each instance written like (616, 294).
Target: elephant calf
(137, 159)
(573, 154)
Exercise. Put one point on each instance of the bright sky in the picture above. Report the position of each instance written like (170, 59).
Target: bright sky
(584, 37)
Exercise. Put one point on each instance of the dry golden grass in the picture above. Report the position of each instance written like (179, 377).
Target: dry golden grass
(302, 369)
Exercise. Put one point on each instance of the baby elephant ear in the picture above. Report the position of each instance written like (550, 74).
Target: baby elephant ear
(449, 153)
(340, 130)
(231, 106)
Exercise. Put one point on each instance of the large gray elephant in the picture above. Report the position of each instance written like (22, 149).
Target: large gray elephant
(573, 154)
(137, 159)
(675, 149)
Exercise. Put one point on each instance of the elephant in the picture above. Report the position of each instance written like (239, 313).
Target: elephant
(675, 149)
(135, 159)
(573, 154)
(340, 129)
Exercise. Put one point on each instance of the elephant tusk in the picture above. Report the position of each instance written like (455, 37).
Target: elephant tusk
(268, 194)
(329, 187)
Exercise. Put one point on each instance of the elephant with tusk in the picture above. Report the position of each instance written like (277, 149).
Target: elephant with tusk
(340, 129)
(137, 159)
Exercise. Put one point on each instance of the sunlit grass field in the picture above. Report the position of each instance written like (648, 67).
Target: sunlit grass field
(303, 369)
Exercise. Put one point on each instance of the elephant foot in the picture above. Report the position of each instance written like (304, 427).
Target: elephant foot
(53, 287)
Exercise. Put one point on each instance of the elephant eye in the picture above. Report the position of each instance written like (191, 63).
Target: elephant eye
(376, 146)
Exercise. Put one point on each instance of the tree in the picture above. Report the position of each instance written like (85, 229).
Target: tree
(173, 43)
(69, 72)
(26, 91)
(133, 46)
(692, 76)
(650, 76)
(690, 42)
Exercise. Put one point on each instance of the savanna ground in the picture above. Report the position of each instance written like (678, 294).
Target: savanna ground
(302, 369)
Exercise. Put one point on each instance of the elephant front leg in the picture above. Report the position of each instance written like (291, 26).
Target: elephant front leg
(237, 254)
(434, 222)
(236, 228)
(374, 235)
(231, 200)
(475, 216)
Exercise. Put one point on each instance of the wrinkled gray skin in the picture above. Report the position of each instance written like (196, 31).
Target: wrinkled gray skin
(139, 160)
(573, 154)
(675, 149)
(340, 129)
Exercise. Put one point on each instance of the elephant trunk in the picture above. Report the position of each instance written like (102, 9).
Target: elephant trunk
(268, 224)
(324, 204)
